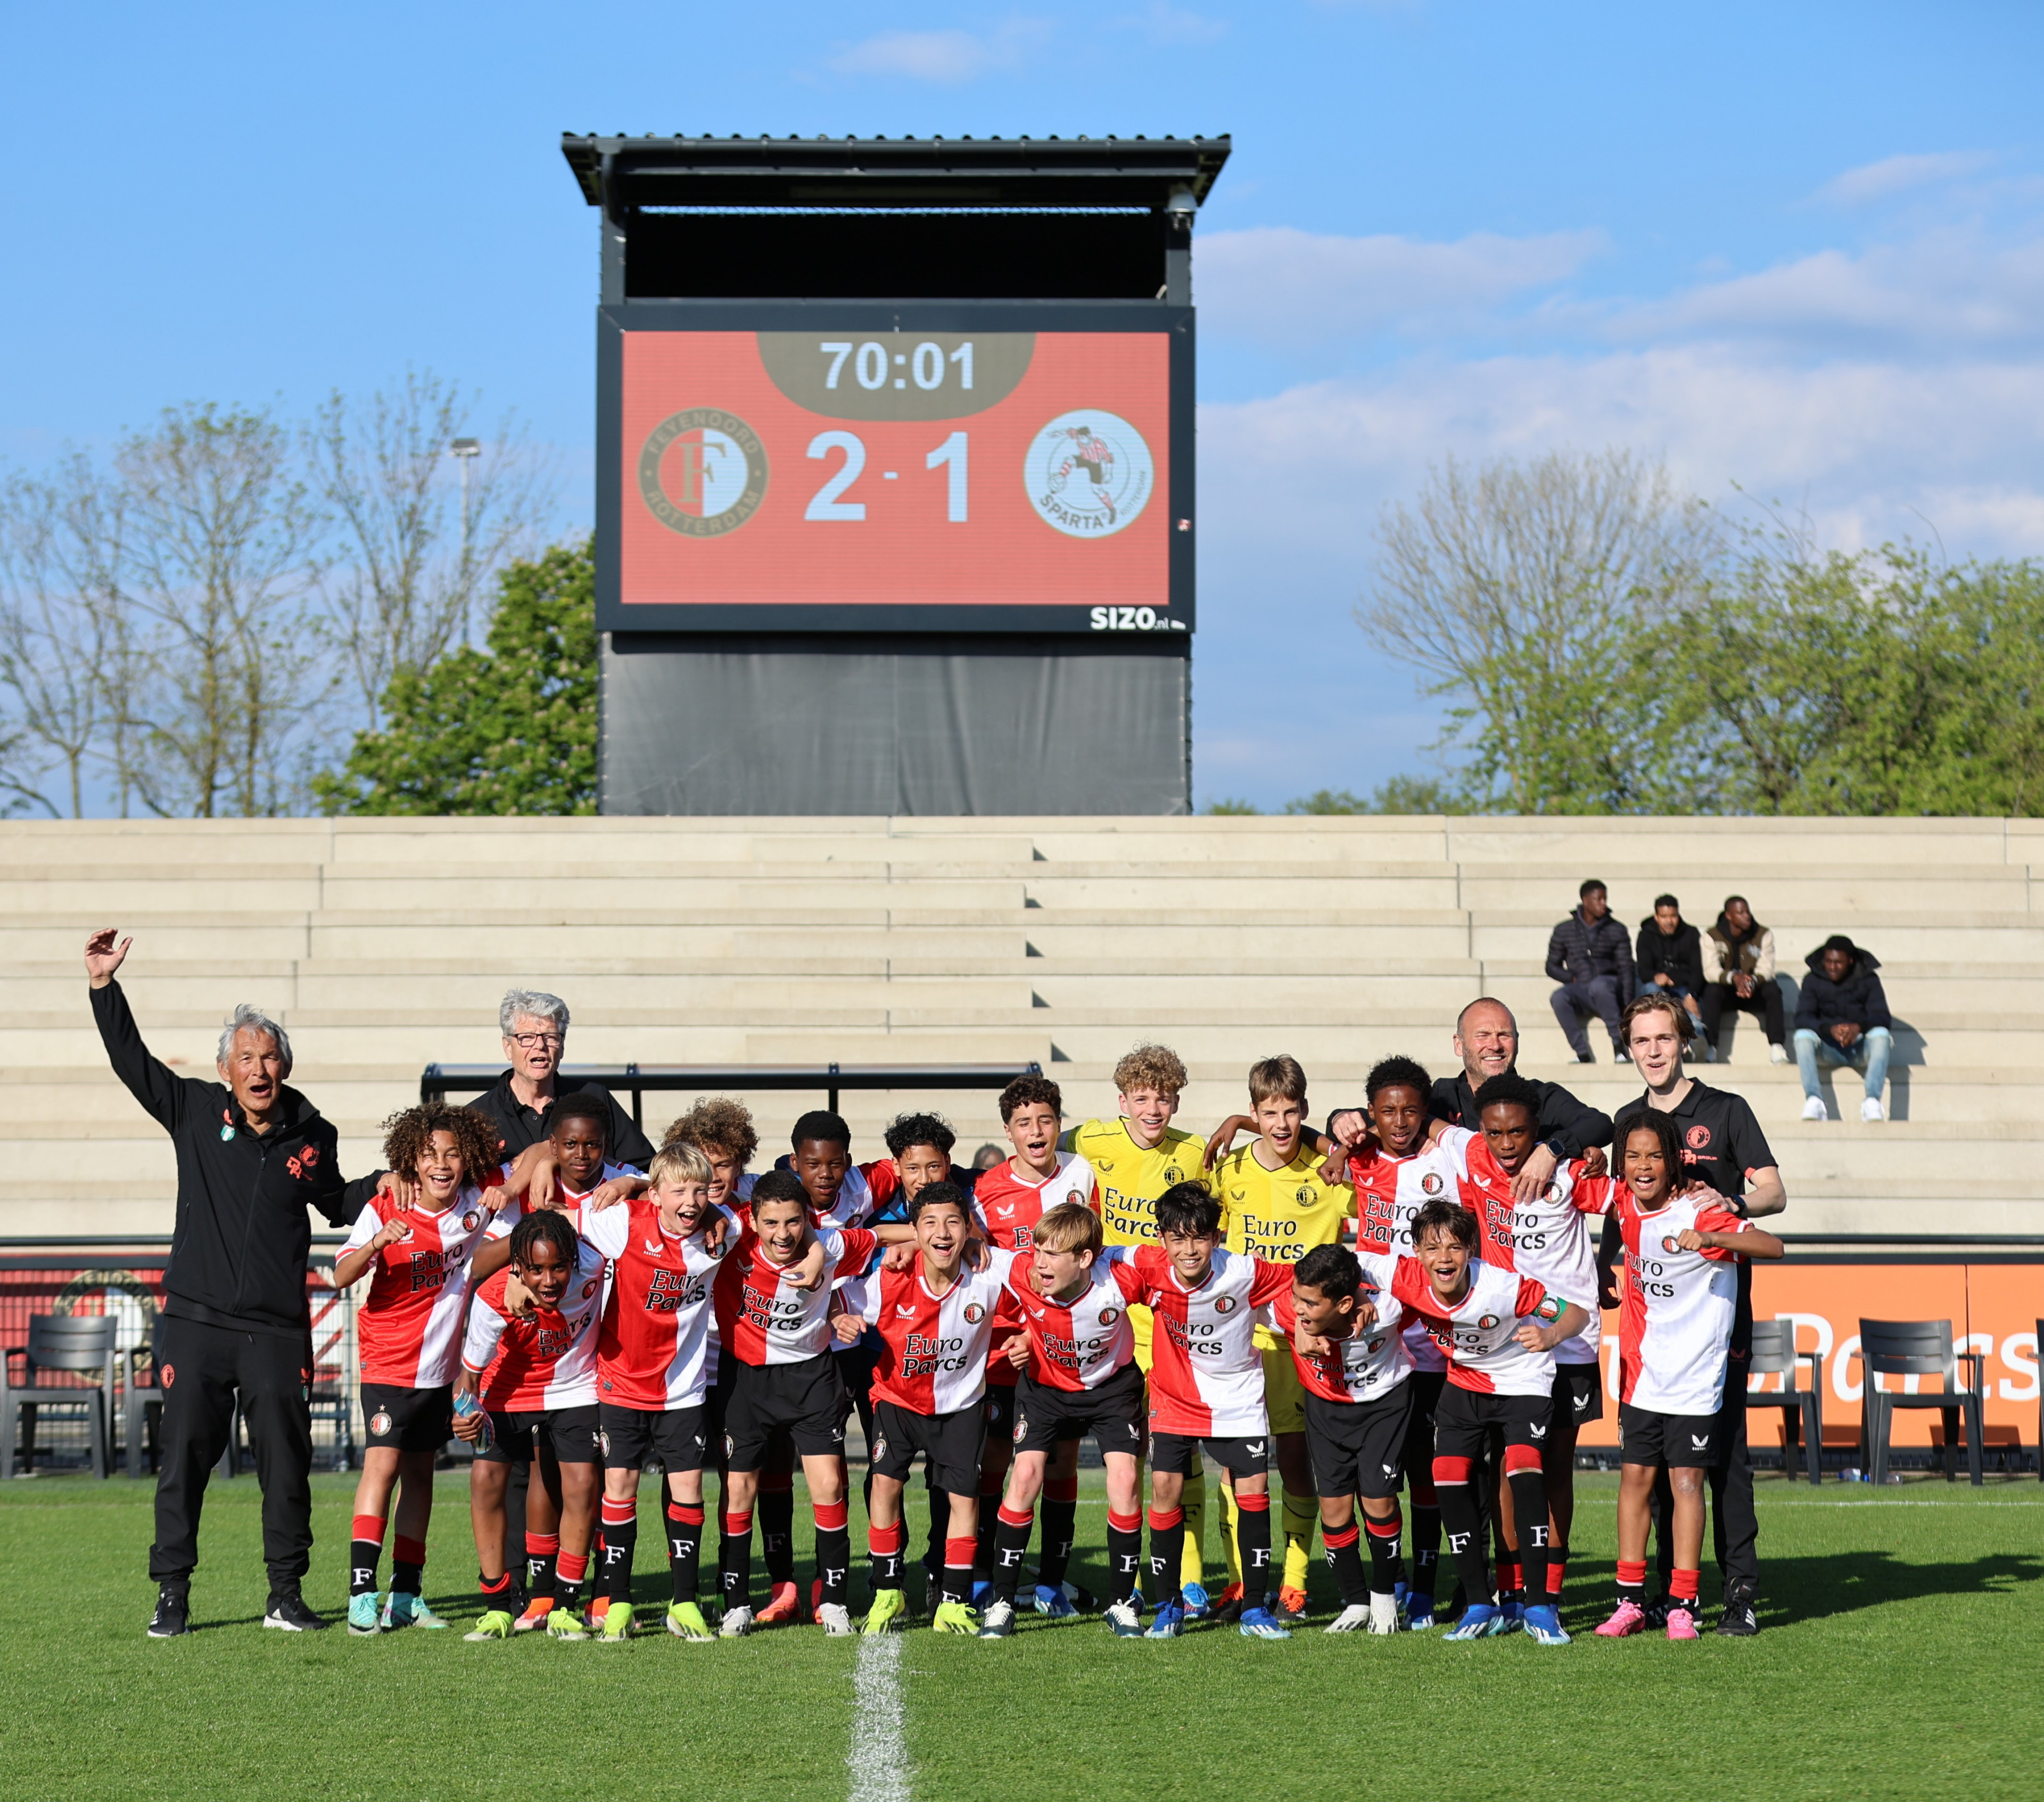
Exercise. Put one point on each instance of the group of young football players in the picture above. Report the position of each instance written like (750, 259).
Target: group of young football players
(1370, 1311)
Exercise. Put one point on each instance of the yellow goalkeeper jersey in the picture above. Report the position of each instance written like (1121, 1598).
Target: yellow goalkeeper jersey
(1129, 1180)
(1280, 1215)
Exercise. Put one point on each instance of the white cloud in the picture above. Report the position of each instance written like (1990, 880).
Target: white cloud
(1870, 444)
(1167, 23)
(1951, 290)
(1277, 285)
(1896, 174)
(946, 58)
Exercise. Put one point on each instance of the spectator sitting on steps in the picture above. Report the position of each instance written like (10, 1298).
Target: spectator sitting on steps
(1590, 955)
(1739, 974)
(1842, 1015)
(1670, 958)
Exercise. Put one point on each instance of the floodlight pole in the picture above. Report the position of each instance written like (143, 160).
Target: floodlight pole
(465, 450)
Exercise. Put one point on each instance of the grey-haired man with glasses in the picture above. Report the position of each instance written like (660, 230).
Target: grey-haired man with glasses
(535, 1025)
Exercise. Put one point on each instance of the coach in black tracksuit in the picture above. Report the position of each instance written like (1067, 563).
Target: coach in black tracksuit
(252, 1156)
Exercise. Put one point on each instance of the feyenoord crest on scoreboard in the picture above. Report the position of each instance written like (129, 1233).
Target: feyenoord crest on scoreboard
(895, 472)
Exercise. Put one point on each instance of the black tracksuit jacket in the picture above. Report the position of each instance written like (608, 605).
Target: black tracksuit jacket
(238, 1251)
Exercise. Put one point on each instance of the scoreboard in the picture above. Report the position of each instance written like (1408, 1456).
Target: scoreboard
(936, 467)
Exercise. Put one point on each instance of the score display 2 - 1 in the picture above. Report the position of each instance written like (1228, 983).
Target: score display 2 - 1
(903, 469)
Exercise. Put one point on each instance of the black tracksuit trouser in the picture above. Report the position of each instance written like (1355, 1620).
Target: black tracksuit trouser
(201, 1367)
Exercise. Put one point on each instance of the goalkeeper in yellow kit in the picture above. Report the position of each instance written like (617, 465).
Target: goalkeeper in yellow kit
(1135, 1157)
(1276, 1205)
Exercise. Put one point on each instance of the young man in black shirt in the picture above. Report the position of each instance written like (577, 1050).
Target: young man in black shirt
(1723, 1148)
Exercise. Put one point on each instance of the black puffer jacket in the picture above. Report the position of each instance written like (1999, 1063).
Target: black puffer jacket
(1679, 954)
(1579, 952)
(1858, 1001)
(238, 1251)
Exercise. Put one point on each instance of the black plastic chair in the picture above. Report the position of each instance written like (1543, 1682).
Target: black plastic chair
(1774, 1351)
(75, 1346)
(1918, 1348)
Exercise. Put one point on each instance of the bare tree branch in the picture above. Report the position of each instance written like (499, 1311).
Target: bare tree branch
(415, 558)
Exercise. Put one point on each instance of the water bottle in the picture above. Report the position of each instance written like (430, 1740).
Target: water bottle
(466, 1404)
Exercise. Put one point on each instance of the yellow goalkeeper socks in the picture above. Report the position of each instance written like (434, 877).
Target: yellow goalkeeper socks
(1192, 1566)
(1301, 1514)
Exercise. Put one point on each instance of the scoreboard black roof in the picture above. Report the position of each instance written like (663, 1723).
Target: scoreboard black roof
(1051, 173)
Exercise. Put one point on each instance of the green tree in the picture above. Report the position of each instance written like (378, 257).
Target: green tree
(1879, 684)
(1530, 594)
(509, 729)
(1397, 794)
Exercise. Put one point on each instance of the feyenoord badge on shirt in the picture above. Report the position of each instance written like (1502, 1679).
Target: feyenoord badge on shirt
(226, 1130)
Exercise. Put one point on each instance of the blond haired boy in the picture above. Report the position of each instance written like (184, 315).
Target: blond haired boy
(1135, 1157)
(1275, 1204)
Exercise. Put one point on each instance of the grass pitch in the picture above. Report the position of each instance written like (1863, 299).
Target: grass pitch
(1899, 1657)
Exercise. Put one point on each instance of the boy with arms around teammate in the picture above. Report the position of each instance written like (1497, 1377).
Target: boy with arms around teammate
(935, 1319)
(1078, 1376)
(783, 1378)
(1277, 1204)
(1348, 1338)
(1007, 1201)
(1206, 1389)
(1395, 1172)
(534, 1373)
(408, 1329)
(1499, 1331)
(652, 1363)
(1546, 1235)
(1135, 1157)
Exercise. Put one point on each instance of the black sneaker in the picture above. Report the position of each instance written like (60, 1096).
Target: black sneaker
(1657, 1612)
(173, 1616)
(1739, 1620)
(288, 1611)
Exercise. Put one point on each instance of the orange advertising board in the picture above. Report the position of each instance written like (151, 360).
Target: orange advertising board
(1994, 1310)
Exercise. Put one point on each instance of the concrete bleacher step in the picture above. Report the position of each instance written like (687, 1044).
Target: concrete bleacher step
(385, 943)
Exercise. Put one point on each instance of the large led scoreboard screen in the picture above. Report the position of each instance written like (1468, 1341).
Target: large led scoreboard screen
(845, 467)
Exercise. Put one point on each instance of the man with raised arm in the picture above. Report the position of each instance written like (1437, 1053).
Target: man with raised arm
(253, 1155)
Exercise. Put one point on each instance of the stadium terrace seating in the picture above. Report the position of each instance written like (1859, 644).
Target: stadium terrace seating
(385, 943)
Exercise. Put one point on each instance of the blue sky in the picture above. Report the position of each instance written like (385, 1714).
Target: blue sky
(1798, 249)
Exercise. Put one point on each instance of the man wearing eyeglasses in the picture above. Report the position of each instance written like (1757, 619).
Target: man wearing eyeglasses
(521, 1101)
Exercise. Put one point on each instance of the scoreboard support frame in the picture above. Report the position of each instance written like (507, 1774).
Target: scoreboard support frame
(945, 706)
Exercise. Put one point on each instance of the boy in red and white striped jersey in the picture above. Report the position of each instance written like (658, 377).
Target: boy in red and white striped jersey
(1499, 1331)
(1546, 1235)
(1348, 1341)
(1007, 1201)
(780, 1377)
(532, 1366)
(1395, 1172)
(652, 1364)
(1206, 1389)
(1675, 1325)
(408, 1332)
(935, 1318)
(1077, 1354)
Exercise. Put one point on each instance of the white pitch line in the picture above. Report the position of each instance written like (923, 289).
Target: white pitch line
(879, 1754)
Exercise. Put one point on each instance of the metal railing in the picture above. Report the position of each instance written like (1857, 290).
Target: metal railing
(637, 1080)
